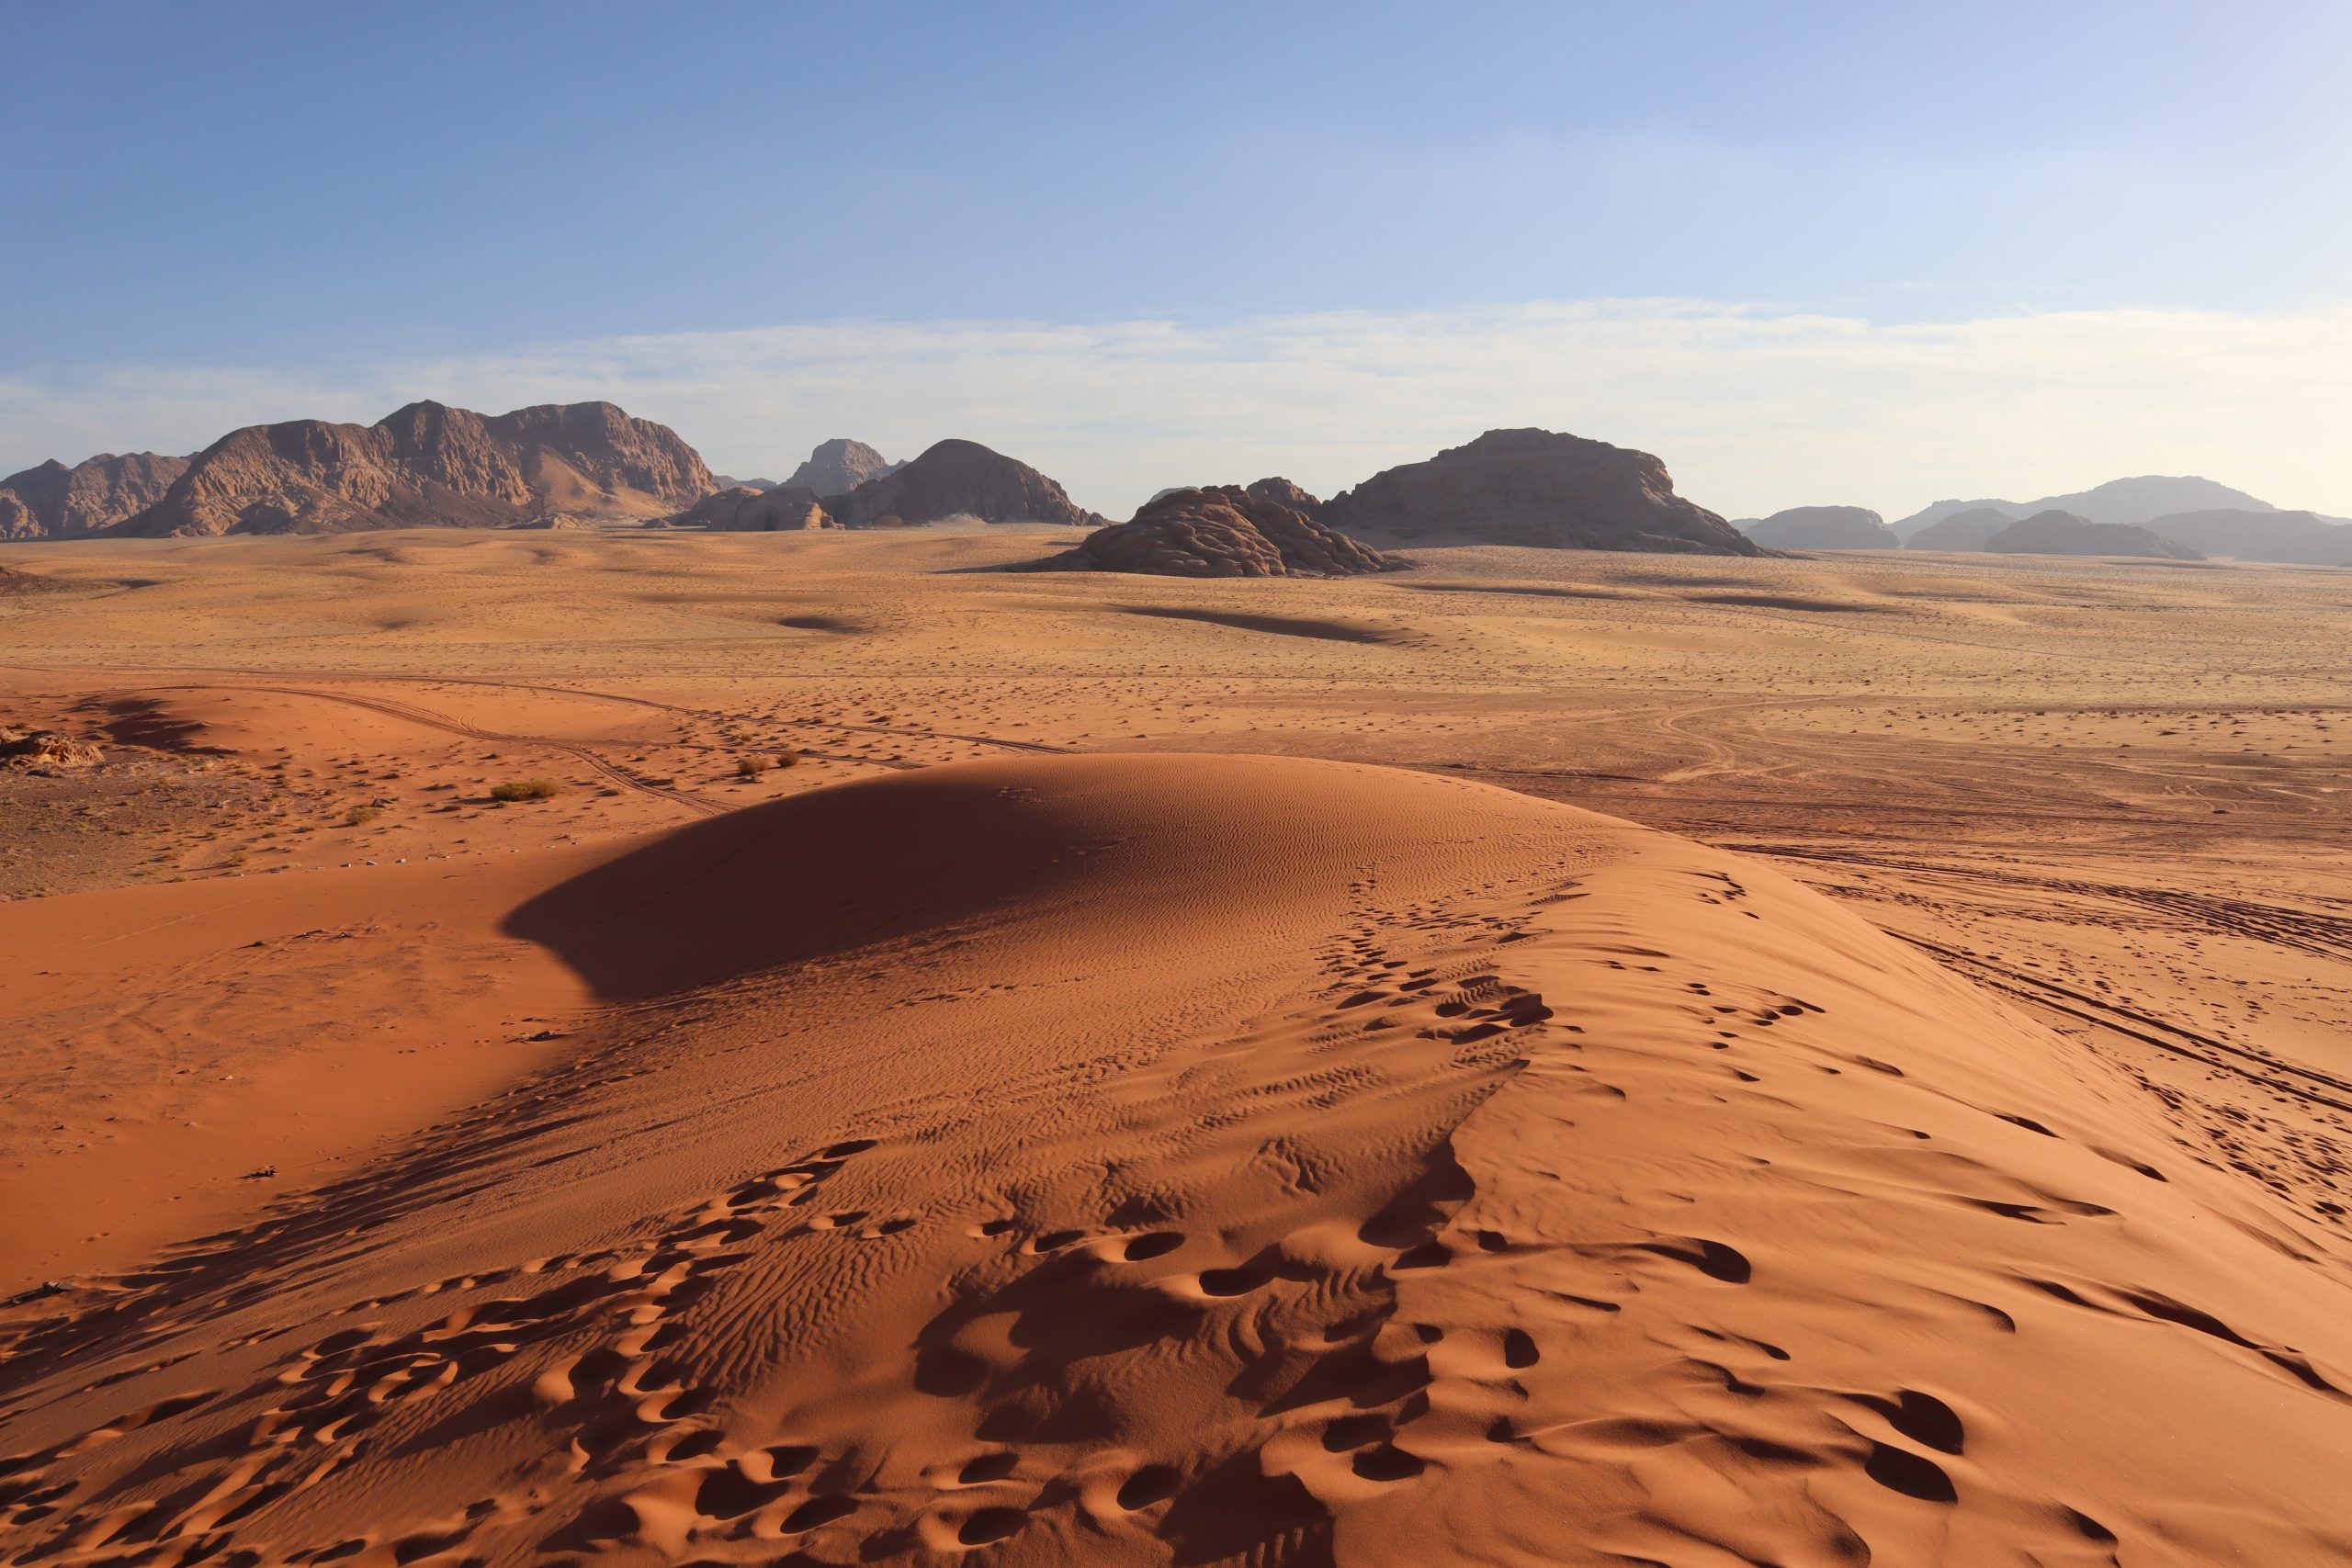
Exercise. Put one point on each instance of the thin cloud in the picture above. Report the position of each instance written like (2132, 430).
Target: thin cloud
(1753, 407)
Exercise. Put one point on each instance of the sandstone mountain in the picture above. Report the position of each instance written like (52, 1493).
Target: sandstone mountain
(430, 466)
(2302, 537)
(1225, 531)
(841, 464)
(728, 481)
(1533, 486)
(2056, 532)
(1823, 528)
(743, 510)
(959, 479)
(2140, 500)
(53, 501)
(1961, 530)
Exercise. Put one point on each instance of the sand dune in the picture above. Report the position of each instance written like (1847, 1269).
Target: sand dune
(1215, 1160)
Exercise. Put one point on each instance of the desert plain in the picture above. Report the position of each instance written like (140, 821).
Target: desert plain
(1544, 1056)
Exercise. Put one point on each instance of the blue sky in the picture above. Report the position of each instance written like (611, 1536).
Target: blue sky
(282, 202)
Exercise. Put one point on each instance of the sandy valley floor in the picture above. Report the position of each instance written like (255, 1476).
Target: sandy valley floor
(1160, 1136)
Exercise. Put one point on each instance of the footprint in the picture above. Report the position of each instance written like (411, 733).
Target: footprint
(1910, 1474)
(1152, 1484)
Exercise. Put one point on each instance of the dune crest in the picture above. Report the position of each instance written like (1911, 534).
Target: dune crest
(1221, 1160)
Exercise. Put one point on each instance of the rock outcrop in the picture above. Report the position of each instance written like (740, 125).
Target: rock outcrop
(1536, 488)
(1225, 531)
(1282, 492)
(2303, 538)
(2055, 532)
(1961, 530)
(1824, 528)
(959, 479)
(430, 466)
(53, 501)
(42, 750)
(839, 466)
(785, 509)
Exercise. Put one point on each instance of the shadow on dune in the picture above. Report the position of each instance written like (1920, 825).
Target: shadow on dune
(828, 872)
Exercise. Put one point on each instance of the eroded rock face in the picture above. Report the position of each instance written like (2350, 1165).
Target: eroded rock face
(1225, 531)
(2055, 532)
(785, 509)
(53, 501)
(839, 466)
(1536, 488)
(1824, 528)
(1962, 531)
(959, 479)
(429, 466)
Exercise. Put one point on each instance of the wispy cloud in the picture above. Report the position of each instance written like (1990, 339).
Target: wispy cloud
(1752, 408)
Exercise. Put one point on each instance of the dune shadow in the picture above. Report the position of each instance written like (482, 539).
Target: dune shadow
(1278, 625)
(824, 873)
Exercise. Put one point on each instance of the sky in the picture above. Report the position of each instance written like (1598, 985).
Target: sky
(1807, 253)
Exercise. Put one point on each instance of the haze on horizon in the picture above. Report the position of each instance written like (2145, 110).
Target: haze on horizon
(1834, 253)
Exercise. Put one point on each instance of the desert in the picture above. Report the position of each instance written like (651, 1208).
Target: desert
(1309, 787)
(1793, 1058)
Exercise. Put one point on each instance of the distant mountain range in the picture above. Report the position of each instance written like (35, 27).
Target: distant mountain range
(2139, 501)
(426, 465)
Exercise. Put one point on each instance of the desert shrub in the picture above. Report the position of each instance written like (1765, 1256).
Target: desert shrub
(751, 767)
(527, 789)
(787, 758)
(359, 815)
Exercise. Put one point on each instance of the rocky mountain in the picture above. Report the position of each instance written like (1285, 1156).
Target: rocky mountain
(959, 479)
(1965, 530)
(2301, 537)
(429, 466)
(2056, 532)
(1823, 528)
(1534, 486)
(841, 464)
(1225, 531)
(53, 501)
(728, 481)
(2134, 501)
(743, 510)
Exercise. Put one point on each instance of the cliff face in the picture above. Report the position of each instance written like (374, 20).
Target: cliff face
(1225, 531)
(428, 466)
(53, 501)
(1536, 488)
(959, 479)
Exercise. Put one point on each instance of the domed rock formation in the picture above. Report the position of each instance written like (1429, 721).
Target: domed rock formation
(1824, 528)
(743, 510)
(1282, 492)
(960, 479)
(2055, 532)
(53, 501)
(1960, 531)
(429, 466)
(1536, 488)
(839, 466)
(1224, 531)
